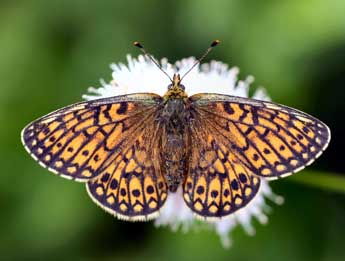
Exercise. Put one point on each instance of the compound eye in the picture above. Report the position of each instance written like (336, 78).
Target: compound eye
(182, 87)
(170, 86)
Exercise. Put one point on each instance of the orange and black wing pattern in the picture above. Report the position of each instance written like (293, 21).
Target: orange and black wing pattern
(234, 141)
(270, 139)
(88, 140)
(217, 182)
(131, 185)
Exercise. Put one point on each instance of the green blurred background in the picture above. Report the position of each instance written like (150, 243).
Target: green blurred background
(51, 51)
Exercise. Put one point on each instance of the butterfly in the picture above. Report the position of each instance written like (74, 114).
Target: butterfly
(133, 150)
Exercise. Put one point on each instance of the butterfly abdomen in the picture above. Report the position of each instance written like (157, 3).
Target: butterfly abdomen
(174, 143)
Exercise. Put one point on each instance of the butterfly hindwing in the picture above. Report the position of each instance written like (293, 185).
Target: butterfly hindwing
(132, 187)
(77, 141)
(269, 139)
(217, 183)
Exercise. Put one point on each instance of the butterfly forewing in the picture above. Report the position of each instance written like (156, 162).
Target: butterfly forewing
(269, 139)
(77, 141)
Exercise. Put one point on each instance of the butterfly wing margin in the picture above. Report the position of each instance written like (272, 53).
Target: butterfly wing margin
(76, 141)
(133, 187)
(272, 140)
(217, 183)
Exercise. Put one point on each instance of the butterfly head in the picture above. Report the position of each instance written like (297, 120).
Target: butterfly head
(176, 83)
(176, 89)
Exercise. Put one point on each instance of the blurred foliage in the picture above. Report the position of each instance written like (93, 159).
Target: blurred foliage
(50, 51)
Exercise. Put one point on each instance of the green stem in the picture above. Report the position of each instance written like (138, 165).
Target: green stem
(323, 180)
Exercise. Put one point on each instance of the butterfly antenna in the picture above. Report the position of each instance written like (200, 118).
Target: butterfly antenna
(209, 49)
(139, 45)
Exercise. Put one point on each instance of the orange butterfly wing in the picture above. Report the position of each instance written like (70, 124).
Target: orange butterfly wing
(234, 140)
(106, 142)
(132, 186)
(272, 140)
(217, 182)
(76, 141)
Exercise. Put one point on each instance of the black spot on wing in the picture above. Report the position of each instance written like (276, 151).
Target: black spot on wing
(123, 108)
(228, 108)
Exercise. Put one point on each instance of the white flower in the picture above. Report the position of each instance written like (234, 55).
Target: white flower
(141, 75)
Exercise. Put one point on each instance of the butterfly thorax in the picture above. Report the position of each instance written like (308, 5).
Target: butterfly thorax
(174, 140)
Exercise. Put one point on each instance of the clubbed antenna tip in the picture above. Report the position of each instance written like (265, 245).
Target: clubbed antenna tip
(215, 43)
(137, 44)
